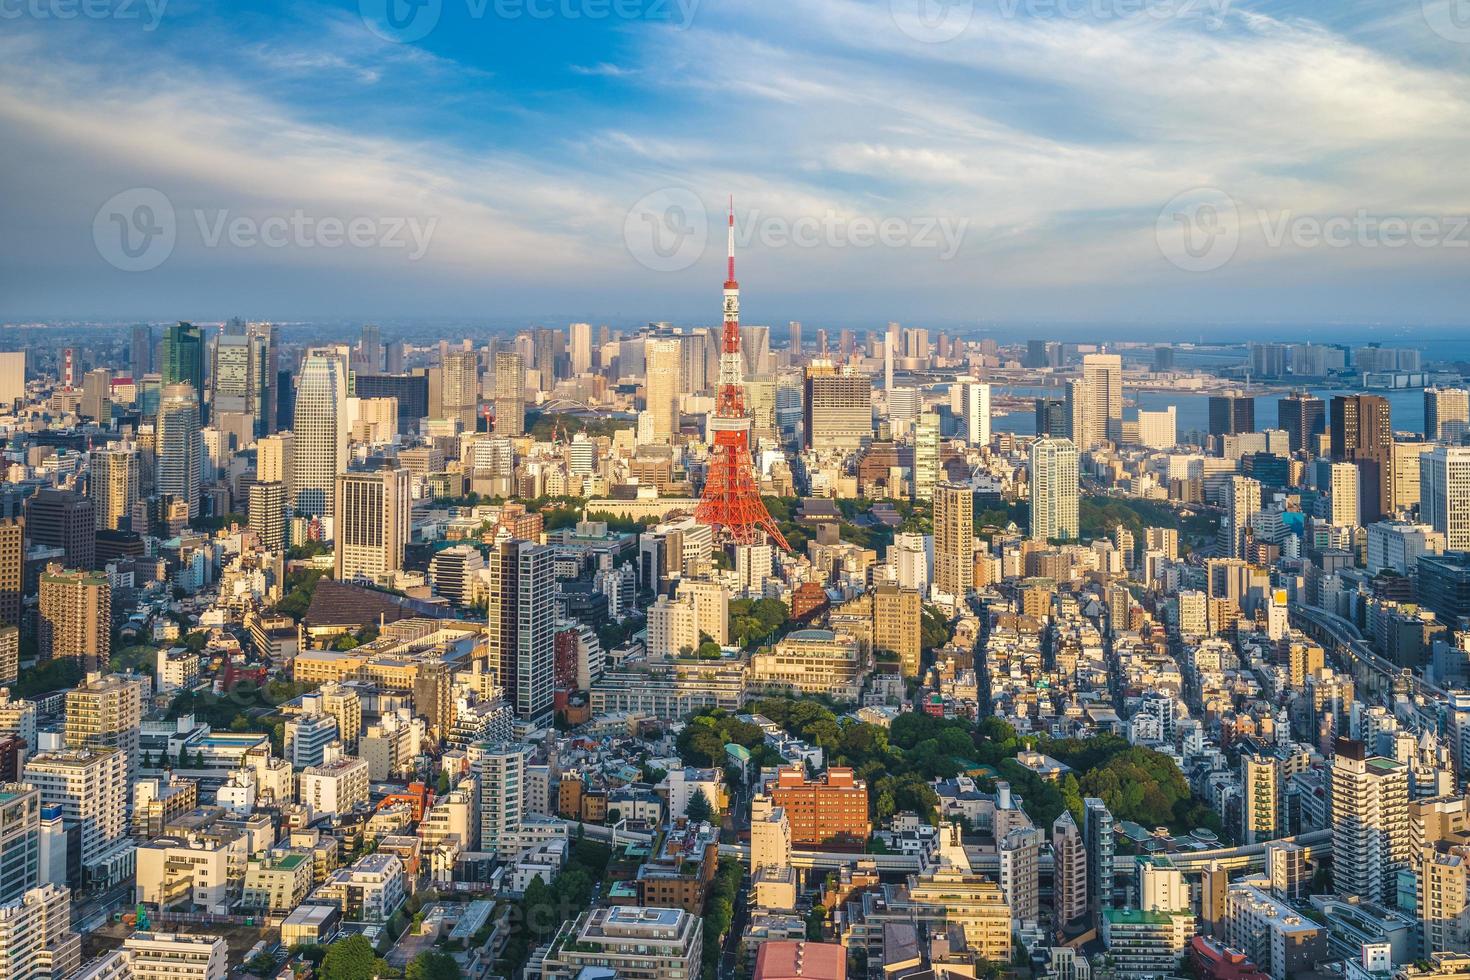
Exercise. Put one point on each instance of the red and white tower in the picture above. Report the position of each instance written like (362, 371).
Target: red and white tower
(732, 499)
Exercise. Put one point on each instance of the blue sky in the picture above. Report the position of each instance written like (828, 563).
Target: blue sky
(1029, 159)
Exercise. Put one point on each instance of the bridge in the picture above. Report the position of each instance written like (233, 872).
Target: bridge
(1238, 858)
(1370, 670)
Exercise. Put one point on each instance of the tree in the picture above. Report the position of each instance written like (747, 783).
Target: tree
(699, 808)
(350, 959)
(432, 965)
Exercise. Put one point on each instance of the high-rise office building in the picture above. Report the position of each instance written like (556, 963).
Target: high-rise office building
(1362, 433)
(12, 378)
(838, 408)
(273, 457)
(182, 357)
(977, 413)
(75, 616)
(662, 355)
(1054, 493)
(12, 570)
(372, 522)
(1052, 418)
(1097, 837)
(63, 519)
(180, 450)
(319, 439)
(459, 391)
(1303, 417)
(97, 396)
(521, 615)
(268, 514)
(1370, 822)
(114, 485)
(954, 539)
(1446, 414)
(1097, 405)
(581, 348)
(1444, 494)
(1232, 413)
(1069, 870)
(510, 394)
(106, 712)
(140, 351)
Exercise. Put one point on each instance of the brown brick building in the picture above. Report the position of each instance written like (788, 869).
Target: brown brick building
(827, 814)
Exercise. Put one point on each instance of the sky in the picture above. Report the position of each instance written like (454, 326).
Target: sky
(953, 163)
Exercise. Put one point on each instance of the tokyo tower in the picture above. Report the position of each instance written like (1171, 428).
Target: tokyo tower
(732, 499)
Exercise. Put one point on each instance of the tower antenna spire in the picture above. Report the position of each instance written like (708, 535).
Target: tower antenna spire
(731, 273)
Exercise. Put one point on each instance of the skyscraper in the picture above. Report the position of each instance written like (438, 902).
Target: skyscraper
(66, 520)
(268, 514)
(460, 391)
(1370, 822)
(319, 450)
(662, 387)
(1054, 503)
(182, 356)
(1342, 495)
(897, 625)
(977, 413)
(12, 570)
(501, 767)
(521, 617)
(926, 455)
(1303, 416)
(372, 522)
(1362, 433)
(1242, 503)
(1051, 417)
(1446, 414)
(180, 446)
(114, 485)
(140, 351)
(1444, 494)
(1102, 390)
(75, 617)
(838, 408)
(273, 458)
(97, 396)
(581, 348)
(1232, 413)
(510, 394)
(954, 539)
